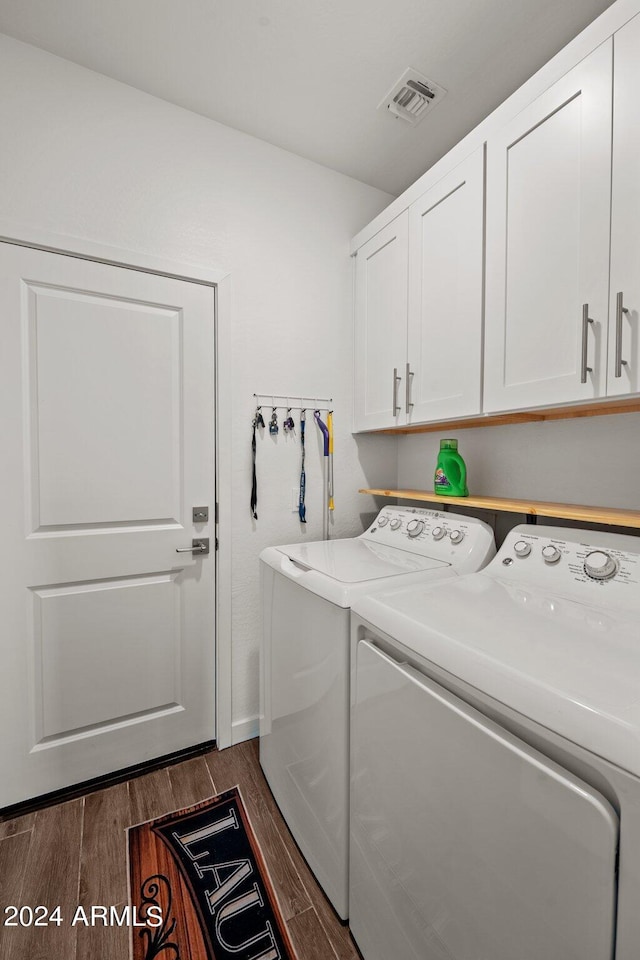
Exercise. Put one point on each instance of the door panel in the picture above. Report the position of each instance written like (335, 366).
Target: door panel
(548, 203)
(105, 651)
(83, 387)
(381, 327)
(543, 229)
(446, 233)
(108, 418)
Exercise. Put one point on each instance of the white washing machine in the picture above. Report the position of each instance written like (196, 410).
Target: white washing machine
(307, 592)
(495, 764)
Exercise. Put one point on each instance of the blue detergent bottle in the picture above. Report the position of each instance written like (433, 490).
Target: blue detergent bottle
(450, 478)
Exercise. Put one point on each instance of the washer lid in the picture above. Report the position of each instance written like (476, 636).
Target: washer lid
(568, 666)
(356, 560)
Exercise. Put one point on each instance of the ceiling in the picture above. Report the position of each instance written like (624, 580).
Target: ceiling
(307, 75)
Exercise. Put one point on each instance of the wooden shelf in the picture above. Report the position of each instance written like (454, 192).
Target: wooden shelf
(533, 508)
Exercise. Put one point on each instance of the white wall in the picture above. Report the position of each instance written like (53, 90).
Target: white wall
(591, 460)
(84, 156)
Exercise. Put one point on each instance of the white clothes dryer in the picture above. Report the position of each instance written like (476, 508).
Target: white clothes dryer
(307, 592)
(495, 758)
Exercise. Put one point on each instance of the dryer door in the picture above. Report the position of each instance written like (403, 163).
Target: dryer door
(466, 844)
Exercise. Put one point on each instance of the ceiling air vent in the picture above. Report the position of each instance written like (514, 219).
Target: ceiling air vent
(412, 97)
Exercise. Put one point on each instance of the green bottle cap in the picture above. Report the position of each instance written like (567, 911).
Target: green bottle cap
(448, 444)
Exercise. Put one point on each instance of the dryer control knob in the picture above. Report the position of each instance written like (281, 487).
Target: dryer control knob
(415, 528)
(383, 521)
(521, 548)
(550, 554)
(457, 536)
(600, 565)
(395, 523)
(438, 533)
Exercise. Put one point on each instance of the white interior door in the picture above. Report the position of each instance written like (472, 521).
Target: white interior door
(548, 209)
(446, 235)
(107, 644)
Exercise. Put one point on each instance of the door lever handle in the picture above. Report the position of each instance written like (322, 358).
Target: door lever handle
(200, 546)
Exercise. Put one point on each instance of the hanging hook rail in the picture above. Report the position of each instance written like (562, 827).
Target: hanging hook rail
(305, 402)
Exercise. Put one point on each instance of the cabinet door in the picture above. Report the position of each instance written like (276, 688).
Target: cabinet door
(445, 296)
(623, 374)
(381, 327)
(548, 207)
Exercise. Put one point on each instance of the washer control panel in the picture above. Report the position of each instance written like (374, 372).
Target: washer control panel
(580, 562)
(430, 533)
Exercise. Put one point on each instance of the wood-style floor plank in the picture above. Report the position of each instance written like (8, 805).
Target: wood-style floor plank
(239, 767)
(106, 817)
(51, 878)
(103, 943)
(309, 938)
(13, 861)
(9, 828)
(191, 782)
(151, 796)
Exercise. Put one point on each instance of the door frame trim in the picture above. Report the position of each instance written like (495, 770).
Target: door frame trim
(24, 235)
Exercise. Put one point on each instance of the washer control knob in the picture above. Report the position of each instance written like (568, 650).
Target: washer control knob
(438, 533)
(521, 548)
(457, 536)
(600, 565)
(383, 521)
(550, 554)
(395, 523)
(415, 528)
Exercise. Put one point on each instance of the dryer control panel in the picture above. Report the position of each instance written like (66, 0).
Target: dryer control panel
(591, 565)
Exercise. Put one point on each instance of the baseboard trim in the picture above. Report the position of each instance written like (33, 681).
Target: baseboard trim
(246, 729)
(100, 783)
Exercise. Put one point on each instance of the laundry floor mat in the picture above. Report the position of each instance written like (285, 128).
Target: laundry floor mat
(200, 889)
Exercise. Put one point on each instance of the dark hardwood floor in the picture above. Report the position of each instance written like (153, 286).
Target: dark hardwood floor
(74, 854)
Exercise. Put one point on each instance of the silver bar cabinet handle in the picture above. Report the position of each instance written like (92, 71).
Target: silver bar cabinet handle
(620, 309)
(586, 320)
(408, 403)
(197, 546)
(396, 381)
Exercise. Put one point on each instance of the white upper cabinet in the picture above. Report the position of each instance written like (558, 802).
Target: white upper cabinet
(443, 375)
(381, 328)
(548, 209)
(549, 201)
(623, 373)
(418, 314)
